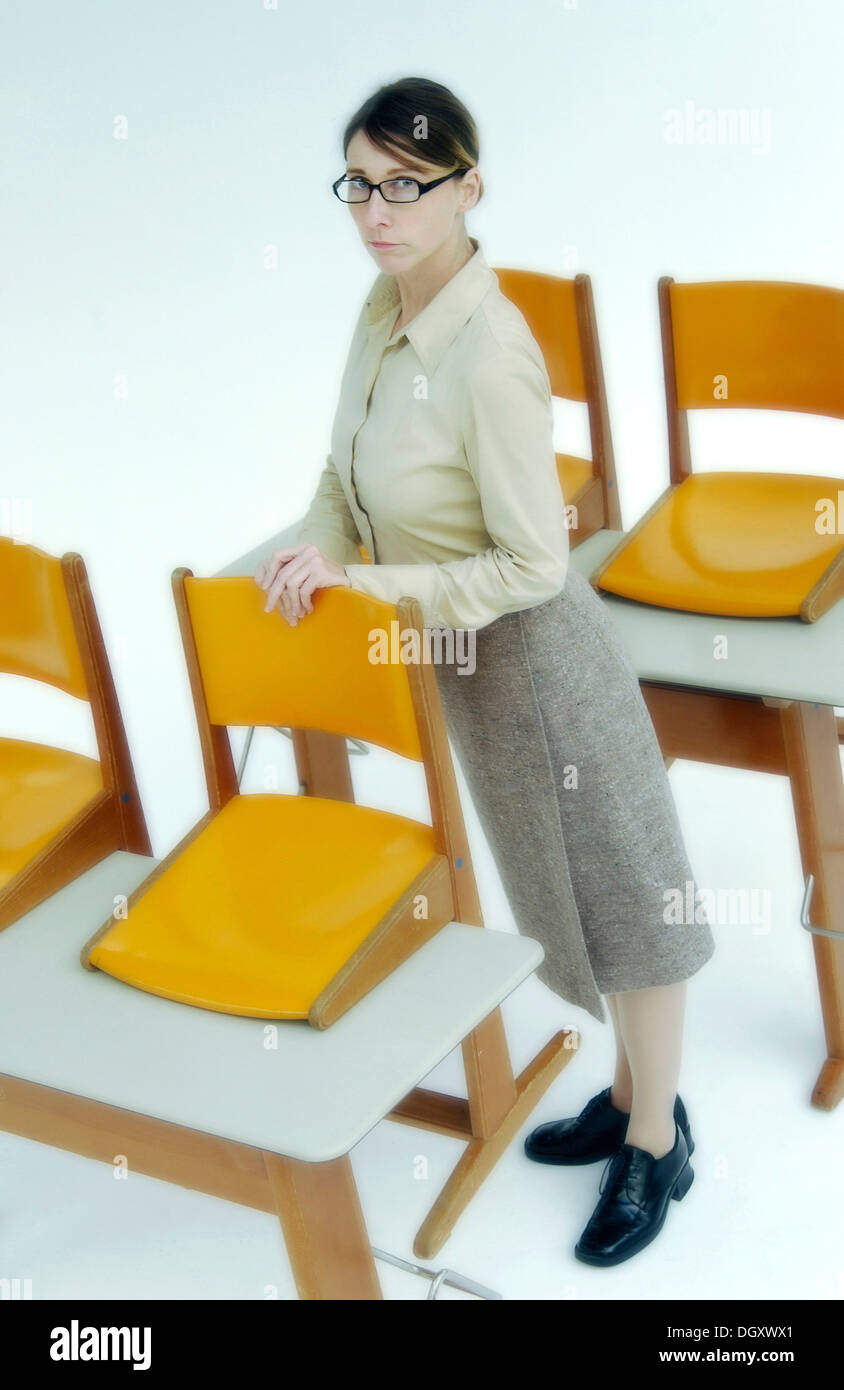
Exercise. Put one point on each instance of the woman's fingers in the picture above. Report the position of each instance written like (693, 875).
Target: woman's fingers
(267, 569)
(290, 601)
(306, 589)
(288, 575)
(286, 606)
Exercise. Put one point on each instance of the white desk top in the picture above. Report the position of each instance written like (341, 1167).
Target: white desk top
(313, 1098)
(767, 656)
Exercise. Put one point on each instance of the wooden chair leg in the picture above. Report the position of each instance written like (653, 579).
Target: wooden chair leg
(810, 735)
(324, 1229)
(484, 1149)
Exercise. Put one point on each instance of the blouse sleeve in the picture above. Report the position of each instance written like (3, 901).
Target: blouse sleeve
(508, 436)
(328, 522)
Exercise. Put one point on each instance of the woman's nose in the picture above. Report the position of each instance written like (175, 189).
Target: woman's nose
(377, 208)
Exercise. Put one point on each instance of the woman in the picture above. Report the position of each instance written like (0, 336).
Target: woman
(442, 463)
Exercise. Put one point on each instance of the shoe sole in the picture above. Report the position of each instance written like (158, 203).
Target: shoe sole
(682, 1183)
(564, 1161)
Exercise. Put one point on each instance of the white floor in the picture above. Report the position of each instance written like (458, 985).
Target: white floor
(763, 1219)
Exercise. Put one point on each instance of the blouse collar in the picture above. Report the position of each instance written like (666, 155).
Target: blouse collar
(436, 326)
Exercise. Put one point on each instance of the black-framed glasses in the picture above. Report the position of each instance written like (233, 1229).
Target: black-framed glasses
(359, 190)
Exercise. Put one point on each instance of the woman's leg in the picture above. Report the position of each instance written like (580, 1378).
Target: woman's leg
(621, 1094)
(651, 1026)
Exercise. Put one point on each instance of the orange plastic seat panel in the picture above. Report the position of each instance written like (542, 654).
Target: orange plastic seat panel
(41, 789)
(574, 473)
(37, 636)
(268, 902)
(777, 345)
(737, 544)
(288, 676)
(548, 305)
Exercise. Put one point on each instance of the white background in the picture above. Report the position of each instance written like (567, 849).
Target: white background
(177, 306)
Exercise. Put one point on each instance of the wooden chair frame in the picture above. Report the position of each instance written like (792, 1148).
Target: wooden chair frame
(443, 884)
(399, 932)
(111, 820)
(827, 589)
(597, 502)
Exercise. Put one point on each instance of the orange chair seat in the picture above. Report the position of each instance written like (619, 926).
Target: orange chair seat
(574, 473)
(735, 544)
(41, 789)
(266, 904)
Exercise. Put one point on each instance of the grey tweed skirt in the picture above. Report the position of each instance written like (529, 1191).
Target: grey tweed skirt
(565, 771)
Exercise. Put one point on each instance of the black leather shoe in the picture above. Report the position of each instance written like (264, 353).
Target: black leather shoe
(632, 1208)
(595, 1133)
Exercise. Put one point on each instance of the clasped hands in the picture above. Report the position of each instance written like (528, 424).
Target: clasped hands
(289, 577)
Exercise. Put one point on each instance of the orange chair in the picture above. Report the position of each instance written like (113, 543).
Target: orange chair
(286, 906)
(734, 543)
(60, 812)
(560, 314)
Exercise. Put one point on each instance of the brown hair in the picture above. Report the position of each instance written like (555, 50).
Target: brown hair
(389, 117)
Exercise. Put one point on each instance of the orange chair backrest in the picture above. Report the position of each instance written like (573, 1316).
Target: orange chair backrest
(258, 670)
(758, 343)
(548, 305)
(37, 636)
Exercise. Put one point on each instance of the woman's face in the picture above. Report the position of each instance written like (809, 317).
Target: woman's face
(400, 235)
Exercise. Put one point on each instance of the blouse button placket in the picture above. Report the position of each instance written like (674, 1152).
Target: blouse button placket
(370, 388)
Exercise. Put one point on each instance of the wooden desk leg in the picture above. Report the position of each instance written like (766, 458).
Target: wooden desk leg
(488, 1144)
(324, 1230)
(810, 735)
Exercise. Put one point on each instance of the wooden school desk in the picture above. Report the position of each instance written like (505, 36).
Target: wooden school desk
(769, 707)
(90, 1064)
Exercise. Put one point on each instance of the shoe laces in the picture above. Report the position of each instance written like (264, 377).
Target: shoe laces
(597, 1101)
(617, 1158)
(626, 1159)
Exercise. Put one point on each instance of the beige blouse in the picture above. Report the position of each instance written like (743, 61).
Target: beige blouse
(442, 457)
